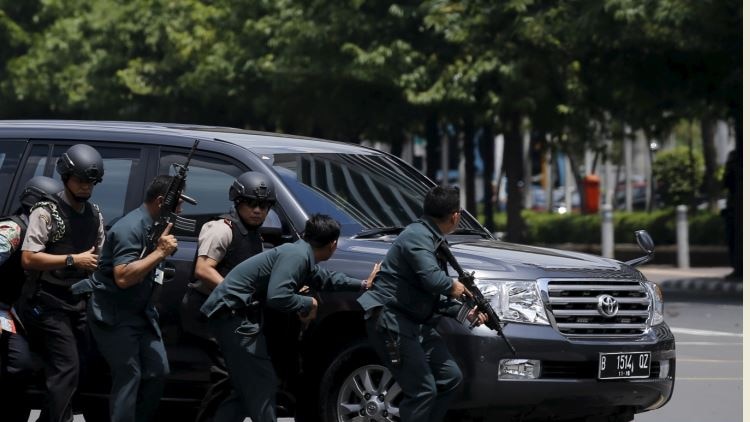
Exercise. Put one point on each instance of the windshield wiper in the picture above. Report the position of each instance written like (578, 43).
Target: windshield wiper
(375, 231)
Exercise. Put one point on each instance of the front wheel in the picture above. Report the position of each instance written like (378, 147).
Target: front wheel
(356, 387)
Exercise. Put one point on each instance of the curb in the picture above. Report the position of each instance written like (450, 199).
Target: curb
(715, 285)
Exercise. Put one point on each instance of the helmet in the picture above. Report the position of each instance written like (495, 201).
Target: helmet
(82, 161)
(252, 185)
(39, 188)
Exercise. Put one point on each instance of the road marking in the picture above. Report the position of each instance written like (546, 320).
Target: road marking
(681, 360)
(705, 343)
(693, 332)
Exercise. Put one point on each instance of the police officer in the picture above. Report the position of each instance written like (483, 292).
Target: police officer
(222, 244)
(124, 321)
(402, 308)
(273, 279)
(15, 358)
(61, 245)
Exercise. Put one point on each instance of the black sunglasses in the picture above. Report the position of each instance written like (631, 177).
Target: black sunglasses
(259, 203)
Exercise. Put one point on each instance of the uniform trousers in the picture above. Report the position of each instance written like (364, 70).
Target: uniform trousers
(138, 361)
(56, 324)
(428, 374)
(244, 348)
(16, 366)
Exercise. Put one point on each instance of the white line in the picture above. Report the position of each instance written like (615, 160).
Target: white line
(691, 331)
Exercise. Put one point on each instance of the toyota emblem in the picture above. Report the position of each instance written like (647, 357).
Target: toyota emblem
(607, 306)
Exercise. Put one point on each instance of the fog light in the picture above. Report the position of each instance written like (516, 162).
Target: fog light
(663, 368)
(516, 369)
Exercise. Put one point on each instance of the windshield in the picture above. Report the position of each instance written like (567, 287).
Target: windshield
(361, 191)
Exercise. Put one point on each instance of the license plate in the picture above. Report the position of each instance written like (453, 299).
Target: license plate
(624, 365)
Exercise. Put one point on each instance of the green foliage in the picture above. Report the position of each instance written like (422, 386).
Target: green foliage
(676, 183)
(705, 228)
(351, 69)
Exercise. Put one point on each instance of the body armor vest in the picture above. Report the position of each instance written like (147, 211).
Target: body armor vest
(245, 243)
(81, 231)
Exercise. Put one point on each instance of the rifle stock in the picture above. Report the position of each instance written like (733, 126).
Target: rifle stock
(483, 305)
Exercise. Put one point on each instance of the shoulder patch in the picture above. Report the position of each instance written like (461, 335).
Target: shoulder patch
(51, 207)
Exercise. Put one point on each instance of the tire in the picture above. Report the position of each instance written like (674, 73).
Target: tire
(357, 385)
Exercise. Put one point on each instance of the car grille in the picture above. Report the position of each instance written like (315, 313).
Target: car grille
(577, 311)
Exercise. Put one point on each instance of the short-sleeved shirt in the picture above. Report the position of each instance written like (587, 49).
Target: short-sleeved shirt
(126, 242)
(214, 240)
(41, 225)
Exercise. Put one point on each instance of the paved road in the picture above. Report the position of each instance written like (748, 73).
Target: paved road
(709, 361)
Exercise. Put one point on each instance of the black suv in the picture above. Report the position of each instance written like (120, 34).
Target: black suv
(588, 332)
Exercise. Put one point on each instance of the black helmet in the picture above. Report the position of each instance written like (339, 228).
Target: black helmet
(252, 185)
(40, 188)
(81, 161)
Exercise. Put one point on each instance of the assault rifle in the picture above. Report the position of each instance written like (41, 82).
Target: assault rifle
(171, 201)
(483, 305)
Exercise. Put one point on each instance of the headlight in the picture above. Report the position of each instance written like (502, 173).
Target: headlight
(657, 303)
(515, 301)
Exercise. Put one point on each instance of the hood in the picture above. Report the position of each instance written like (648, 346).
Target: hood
(498, 259)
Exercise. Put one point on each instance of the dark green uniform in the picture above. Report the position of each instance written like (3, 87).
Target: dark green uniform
(402, 309)
(125, 324)
(271, 278)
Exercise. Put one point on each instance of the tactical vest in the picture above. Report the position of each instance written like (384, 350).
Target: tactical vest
(245, 243)
(81, 232)
(12, 272)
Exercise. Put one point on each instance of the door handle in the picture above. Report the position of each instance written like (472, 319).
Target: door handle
(169, 271)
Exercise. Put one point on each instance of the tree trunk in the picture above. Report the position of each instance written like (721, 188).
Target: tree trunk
(579, 181)
(708, 130)
(432, 137)
(469, 171)
(487, 149)
(513, 165)
(691, 172)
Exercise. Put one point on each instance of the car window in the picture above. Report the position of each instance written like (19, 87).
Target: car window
(35, 165)
(10, 157)
(121, 168)
(361, 191)
(208, 181)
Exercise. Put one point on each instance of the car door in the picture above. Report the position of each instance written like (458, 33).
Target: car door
(209, 177)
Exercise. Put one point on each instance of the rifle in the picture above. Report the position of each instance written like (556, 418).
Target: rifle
(483, 305)
(171, 201)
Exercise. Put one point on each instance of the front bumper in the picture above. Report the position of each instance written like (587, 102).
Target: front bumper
(568, 386)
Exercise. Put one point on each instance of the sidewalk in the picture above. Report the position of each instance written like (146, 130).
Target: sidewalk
(695, 279)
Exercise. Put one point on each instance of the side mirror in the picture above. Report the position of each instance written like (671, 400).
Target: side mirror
(645, 241)
(647, 245)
